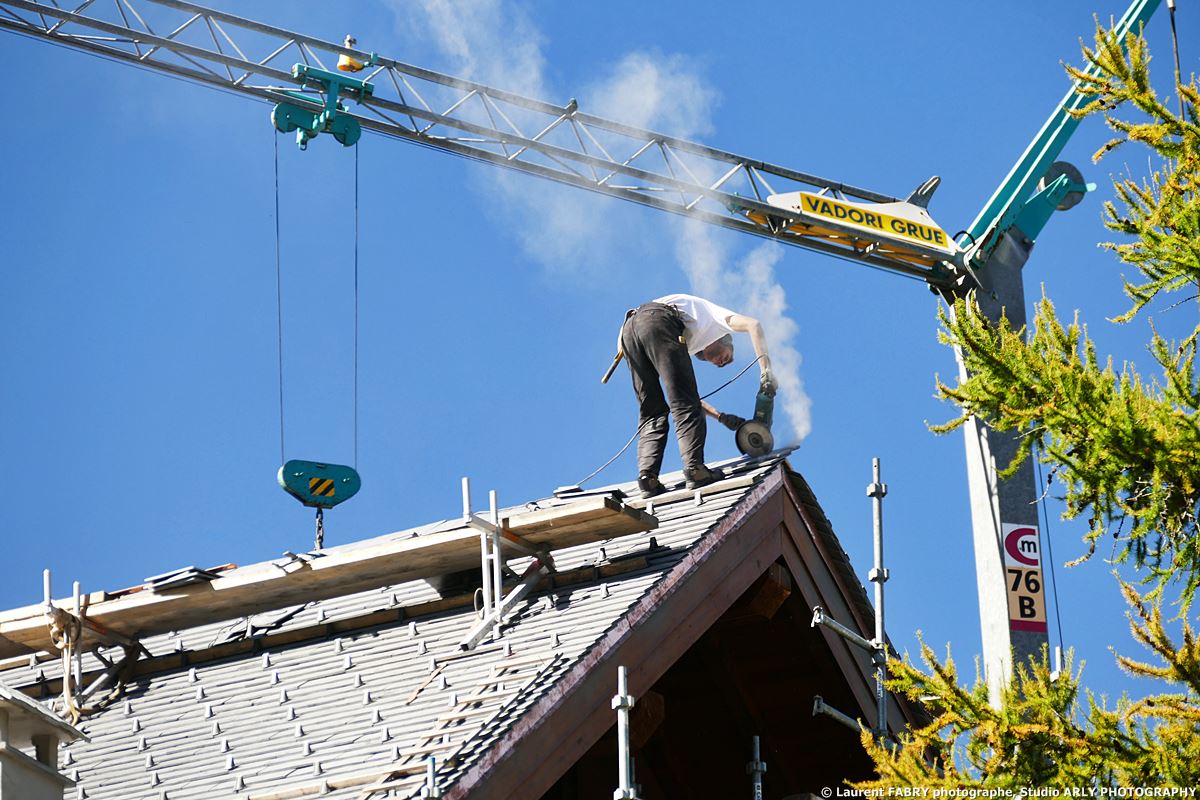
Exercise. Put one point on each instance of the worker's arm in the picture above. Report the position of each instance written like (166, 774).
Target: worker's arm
(750, 325)
(731, 421)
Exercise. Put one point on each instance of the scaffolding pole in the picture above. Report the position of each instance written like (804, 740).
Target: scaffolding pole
(877, 490)
(623, 701)
(756, 769)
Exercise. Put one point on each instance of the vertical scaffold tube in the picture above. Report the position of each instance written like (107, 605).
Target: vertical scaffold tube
(879, 575)
(497, 580)
(77, 593)
(757, 768)
(485, 573)
(623, 702)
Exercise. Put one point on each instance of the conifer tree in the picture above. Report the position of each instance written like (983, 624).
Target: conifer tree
(1126, 452)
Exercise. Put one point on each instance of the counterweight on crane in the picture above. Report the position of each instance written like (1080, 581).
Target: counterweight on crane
(563, 143)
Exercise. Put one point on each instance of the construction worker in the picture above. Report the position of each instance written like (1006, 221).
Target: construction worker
(656, 340)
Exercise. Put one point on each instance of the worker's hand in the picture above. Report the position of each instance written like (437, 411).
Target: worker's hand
(766, 381)
(731, 421)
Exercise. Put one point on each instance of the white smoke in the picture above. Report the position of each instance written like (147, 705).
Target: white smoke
(655, 91)
(488, 41)
(495, 42)
(748, 286)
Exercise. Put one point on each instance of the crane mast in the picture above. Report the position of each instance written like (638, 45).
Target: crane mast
(563, 143)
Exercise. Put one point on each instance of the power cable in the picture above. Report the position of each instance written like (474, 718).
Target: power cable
(731, 380)
(1043, 488)
(1175, 46)
(625, 446)
(278, 296)
(605, 465)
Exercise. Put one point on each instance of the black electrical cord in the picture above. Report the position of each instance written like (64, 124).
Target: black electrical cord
(731, 380)
(625, 446)
(1043, 488)
(1175, 46)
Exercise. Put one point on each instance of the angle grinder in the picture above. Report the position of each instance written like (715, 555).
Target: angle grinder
(753, 436)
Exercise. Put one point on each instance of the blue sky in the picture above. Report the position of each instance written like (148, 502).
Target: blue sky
(139, 394)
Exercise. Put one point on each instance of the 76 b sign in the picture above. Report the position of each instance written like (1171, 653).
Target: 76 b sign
(1023, 571)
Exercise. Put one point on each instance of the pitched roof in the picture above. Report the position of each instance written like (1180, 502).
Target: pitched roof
(336, 696)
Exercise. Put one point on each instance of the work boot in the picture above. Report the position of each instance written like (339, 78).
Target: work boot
(650, 485)
(702, 476)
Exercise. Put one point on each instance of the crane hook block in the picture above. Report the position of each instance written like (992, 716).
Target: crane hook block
(320, 110)
(319, 485)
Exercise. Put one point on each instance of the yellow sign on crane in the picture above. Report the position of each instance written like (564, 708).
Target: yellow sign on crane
(905, 221)
(902, 228)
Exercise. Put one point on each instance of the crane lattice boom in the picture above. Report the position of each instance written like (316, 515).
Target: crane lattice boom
(559, 142)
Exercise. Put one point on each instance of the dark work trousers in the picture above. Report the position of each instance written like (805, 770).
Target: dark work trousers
(651, 341)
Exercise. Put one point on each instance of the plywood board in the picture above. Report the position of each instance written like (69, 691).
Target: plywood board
(368, 565)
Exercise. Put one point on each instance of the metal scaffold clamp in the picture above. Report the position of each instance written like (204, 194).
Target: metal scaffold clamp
(332, 117)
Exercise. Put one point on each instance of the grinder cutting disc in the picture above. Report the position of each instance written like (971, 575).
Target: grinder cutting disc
(754, 438)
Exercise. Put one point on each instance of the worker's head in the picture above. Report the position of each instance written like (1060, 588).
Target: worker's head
(719, 353)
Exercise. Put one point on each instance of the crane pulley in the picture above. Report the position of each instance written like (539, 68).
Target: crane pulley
(332, 118)
(319, 486)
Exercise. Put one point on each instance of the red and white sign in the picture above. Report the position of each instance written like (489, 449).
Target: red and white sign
(1023, 578)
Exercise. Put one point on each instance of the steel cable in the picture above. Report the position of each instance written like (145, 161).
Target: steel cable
(356, 306)
(278, 296)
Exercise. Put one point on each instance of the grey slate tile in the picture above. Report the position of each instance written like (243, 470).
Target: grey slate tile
(265, 721)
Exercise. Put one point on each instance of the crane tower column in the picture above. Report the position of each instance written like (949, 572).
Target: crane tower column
(1008, 564)
(1012, 606)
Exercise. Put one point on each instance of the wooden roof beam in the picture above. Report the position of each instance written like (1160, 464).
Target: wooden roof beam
(318, 576)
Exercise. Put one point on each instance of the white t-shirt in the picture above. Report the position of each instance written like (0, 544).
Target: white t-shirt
(704, 322)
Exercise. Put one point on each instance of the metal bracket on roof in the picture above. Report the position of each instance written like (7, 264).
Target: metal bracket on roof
(508, 539)
(492, 621)
(431, 789)
(489, 547)
(113, 679)
(494, 538)
(66, 633)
